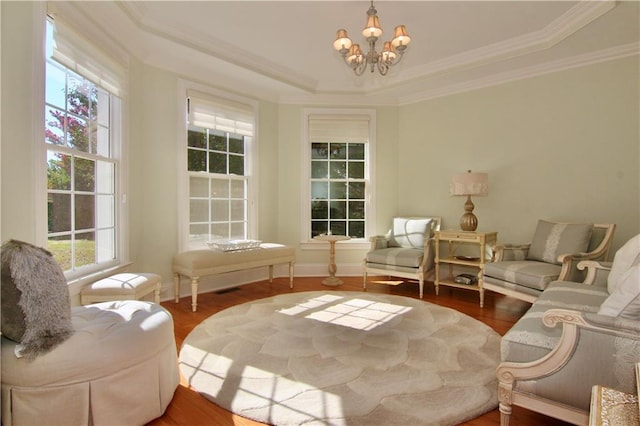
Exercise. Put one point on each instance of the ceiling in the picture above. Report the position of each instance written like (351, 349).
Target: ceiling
(282, 50)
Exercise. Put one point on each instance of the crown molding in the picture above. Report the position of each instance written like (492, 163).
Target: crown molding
(562, 27)
(604, 55)
(217, 48)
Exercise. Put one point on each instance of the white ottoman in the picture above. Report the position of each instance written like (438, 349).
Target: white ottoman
(125, 286)
(119, 367)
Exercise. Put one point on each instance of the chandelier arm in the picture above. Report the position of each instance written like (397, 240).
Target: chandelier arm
(359, 68)
(383, 67)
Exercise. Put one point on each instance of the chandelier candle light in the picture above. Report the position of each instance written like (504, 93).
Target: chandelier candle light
(469, 184)
(392, 51)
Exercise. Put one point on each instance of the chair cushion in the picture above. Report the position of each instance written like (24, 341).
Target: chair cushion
(625, 299)
(527, 273)
(553, 239)
(397, 256)
(625, 257)
(31, 277)
(410, 232)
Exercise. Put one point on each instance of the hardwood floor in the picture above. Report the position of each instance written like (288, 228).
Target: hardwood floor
(190, 408)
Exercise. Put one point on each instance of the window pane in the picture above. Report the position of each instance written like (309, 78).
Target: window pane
(78, 134)
(319, 190)
(338, 209)
(338, 170)
(318, 228)
(85, 249)
(85, 212)
(198, 187)
(356, 170)
(197, 139)
(55, 86)
(105, 245)
(356, 229)
(220, 231)
(54, 126)
(84, 174)
(60, 248)
(236, 144)
(102, 142)
(338, 227)
(103, 107)
(356, 209)
(237, 231)
(58, 171)
(237, 188)
(319, 169)
(217, 163)
(356, 151)
(218, 141)
(220, 210)
(338, 190)
(200, 231)
(356, 190)
(220, 188)
(105, 177)
(198, 210)
(319, 210)
(319, 151)
(197, 161)
(105, 215)
(338, 151)
(237, 210)
(59, 212)
(236, 165)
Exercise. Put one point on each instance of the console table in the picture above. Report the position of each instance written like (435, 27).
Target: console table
(457, 239)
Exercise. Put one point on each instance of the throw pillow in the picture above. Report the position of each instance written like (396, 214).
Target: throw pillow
(553, 239)
(625, 299)
(626, 256)
(410, 232)
(36, 308)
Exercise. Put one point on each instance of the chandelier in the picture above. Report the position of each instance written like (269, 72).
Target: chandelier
(391, 54)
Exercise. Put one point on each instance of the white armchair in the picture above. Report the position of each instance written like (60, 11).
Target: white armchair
(406, 251)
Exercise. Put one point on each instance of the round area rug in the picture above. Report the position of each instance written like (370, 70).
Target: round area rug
(344, 358)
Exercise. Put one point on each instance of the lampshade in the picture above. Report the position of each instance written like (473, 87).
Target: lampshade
(400, 37)
(470, 184)
(342, 41)
(388, 52)
(372, 29)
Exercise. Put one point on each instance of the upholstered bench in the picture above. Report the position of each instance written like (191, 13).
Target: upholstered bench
(125, 286)
(195, 264)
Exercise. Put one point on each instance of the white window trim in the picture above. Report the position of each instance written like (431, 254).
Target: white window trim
(305, 169)
(183, 176)
(119, 119)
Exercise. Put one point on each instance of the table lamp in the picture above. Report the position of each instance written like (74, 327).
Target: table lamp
(469, 184)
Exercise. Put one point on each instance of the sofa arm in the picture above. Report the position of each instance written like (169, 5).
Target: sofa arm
(510, 251)
(379, 242)
(597, 272)
(593, 350)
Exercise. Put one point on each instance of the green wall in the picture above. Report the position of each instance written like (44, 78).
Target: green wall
(562, 146)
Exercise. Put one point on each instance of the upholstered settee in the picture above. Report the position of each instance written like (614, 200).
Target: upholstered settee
(575, 336)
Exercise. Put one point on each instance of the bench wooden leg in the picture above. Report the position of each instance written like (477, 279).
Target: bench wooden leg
(176, 287)
(194, 293)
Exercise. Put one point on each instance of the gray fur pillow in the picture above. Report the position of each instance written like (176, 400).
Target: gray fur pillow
(36, 310)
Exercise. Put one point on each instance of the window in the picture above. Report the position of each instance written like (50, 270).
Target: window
(339, 184)
(219, 141)
(81, 143)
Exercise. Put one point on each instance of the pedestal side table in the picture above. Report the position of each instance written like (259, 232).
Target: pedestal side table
(332, 280)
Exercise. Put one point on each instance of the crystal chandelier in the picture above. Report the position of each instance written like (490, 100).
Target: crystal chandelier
(392, 51)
